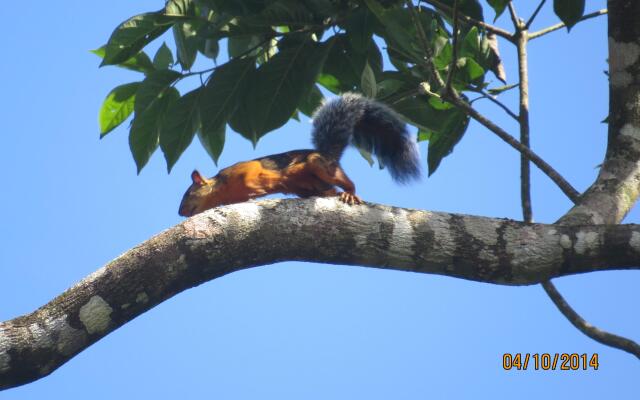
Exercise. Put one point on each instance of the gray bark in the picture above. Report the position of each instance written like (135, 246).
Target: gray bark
(232, 238)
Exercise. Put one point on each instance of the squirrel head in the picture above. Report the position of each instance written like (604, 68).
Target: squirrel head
(195, 199)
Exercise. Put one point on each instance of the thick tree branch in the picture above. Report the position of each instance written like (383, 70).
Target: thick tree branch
(617, 186)
(616, 189)
(231, 238)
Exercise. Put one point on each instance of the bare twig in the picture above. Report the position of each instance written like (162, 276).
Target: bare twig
(534, 15)
(523, 87)
(468, 20)
(514, 16)
(565, 186)
(454, 52)
(561, 25)
(585, 327)
(488, 96)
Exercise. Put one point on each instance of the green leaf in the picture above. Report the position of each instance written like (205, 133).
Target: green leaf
(423, 135)
(213, 141)
(179, 8)
(473, 70)
(284, 13)
(368, 82)
(139, 62)
(387, 87)
(186, 40)
(442, 142)
(117, 107)
(498, 6)
(443, 128)
(470, 8)
(569, 11)
(240, 122)
(438, 104)
(153, 87)
(345, 64)
(280, 84)
(132, 35)
(179, 126)
(239, 45)
(163, 58)
(209, 48)
(311, 101)
(145, 129)
(329, 82)
(470, 44)
(224, 92)
(359, 27)
(184, 33)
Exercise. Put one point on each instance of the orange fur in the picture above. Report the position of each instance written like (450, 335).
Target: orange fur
(306, 173)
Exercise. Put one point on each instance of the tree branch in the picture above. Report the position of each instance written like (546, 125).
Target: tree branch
(488, 96)
(585, 327)
(514, 15)
(455, 99)
(534, 15)
(523, 118)
(561, 25)
(618, 185)
(565, 186)
(231, 238)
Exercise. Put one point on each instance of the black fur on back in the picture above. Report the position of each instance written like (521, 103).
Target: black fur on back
(370, 126)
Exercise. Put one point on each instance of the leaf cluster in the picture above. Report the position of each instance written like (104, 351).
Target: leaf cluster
(281, 56)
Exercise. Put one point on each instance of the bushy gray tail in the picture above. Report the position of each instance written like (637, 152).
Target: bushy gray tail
(371, 126)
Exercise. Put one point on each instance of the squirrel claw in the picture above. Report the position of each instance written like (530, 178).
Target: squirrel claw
(349, 198)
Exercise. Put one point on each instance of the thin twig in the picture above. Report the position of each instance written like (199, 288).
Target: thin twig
(534, 15)
(561, 25)
(488, 96)
(454, 52)
(565, 186)
(468, 20)
(424, 43)
(523, 88)
(514, 16)
(585, 327)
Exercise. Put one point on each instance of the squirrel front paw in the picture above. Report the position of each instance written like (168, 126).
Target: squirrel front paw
(349, 198)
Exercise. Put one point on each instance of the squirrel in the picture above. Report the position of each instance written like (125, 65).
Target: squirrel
(349, 119)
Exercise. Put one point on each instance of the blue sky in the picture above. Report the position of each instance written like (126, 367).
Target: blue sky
(295, 330)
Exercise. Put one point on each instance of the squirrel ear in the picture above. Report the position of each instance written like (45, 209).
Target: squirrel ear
(197, 178)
